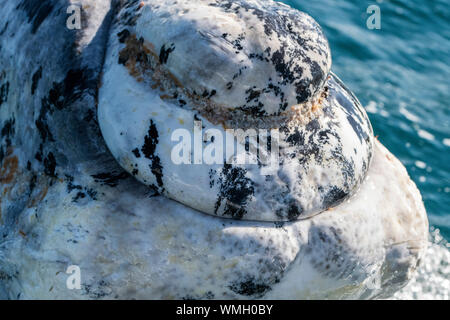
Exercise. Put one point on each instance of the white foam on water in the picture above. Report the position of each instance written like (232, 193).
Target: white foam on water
(408, 115)
(425, 135)
(384, 113)
(446, 142)
(432, 280)
(420, 164)
(372, 107)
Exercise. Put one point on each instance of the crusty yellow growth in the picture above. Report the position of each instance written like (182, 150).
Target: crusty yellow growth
(9, 167)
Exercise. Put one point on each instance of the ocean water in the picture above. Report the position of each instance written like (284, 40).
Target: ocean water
(401, 75)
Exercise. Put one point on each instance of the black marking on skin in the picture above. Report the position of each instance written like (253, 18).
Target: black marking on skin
(313, 126)
(32, 184)
(357, 128)
(123, 57)
(278, 224)
(302, 91)
(70, 185)
(156, 169)
(61, 95)
(4, 91)
(2, 154)
(252, 94)
(50, 165)
(212, 173)
(237, 43)
(350, 108)
(278, 92)
(35, 80)
(294, 211)
(78, 196)
(136, 153)
(90, 115)
(333, 197)
(8, 131)
(324, 136)
(81, 191)
(81, 195)
(280, 24)
(148, 149)
(282, 67)
(130, 15)
(37, 11)
(40, 153)
(131, 3)
(330, 261)
(311, 149)
(317, 74)
(239, 73)
(207, 94)
(250, 287)
(236, 189)
(110, 178)
(4, 28)
(355, 115)
(97, 290)
(258, 56)
(164, 53)
(305, 149)
(207, 296)
(255, 111)
(41, 124)
(70, 89)
(151, 141)
(291, 209)
(123, 35)
(348, 166)
(6, 277)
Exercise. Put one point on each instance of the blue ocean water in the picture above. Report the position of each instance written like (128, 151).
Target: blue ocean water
(401, 74)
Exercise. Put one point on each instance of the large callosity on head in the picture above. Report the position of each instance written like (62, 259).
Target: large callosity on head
(249, 65)
(258, 56)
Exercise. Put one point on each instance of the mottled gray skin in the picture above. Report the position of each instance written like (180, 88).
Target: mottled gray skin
(66, 201)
